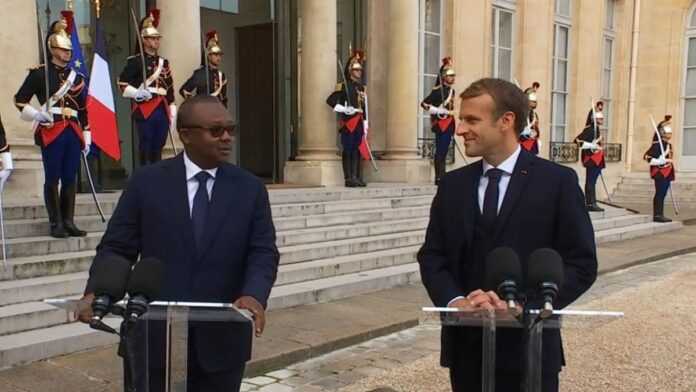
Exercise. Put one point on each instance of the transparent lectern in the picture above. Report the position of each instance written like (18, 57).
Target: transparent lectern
(161, 334)
(531, 320)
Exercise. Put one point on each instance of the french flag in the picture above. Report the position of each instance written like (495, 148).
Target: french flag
(101, 111)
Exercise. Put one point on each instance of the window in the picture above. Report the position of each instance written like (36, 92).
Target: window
(563, 8)
(430, 31)
(231, 6)
(689, 122)
(607, 65)
(559, 89)
(501, 42)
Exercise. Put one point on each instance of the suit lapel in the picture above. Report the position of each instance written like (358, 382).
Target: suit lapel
(518, 182)
(178, 194)
(222, 199)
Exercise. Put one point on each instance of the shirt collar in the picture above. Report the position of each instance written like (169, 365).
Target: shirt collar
(507, 166)
(192, 169)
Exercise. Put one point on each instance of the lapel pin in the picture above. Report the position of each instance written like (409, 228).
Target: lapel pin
(523, 172)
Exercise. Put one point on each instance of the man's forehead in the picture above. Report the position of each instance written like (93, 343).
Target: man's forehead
(211, 113)
(477, 104)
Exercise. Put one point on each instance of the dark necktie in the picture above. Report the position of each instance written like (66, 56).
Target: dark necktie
(490, 198)
(199, 212)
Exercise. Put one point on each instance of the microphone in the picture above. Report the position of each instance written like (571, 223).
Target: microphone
(545, 274)
(109, 274)
(503, 272)
(144, 285)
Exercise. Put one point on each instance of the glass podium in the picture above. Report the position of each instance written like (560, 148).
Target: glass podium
(531, 320)
(159, 338)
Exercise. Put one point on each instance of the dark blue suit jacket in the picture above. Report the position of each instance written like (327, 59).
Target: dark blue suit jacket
(543, 208)
(239, 256)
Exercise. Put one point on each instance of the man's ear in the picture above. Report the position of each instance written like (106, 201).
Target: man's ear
(185, 136)
(507, 121)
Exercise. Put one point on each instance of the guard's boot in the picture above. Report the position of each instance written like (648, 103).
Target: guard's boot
(67, 207)
(345, 160)
(358, 169)
(155, 156)
(439, 170)
(142, 158)
(659, 211)
(592, 200)
(52, 200)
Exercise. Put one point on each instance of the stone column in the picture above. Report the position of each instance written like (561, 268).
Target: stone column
(180, 26)
(401, 162)
(19, 45)
(402, 80)
(317, 161)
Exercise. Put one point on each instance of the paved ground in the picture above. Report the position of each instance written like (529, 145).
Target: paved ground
(296, 334)
(643, 352)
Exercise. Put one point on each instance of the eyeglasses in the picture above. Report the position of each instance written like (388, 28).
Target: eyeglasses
(215, 131)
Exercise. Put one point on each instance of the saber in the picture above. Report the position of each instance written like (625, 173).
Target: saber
(606, 190)
(459, 150)
(48, 104)
(367, 143)
(207, 65)
(140, 46)
(2, 230)
(594, 122)
(662, 151)
(91, 187)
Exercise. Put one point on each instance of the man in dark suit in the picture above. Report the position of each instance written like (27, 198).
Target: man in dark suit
(509, 198)
(210, 223)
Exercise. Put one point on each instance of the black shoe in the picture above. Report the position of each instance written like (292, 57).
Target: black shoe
(661, 219)
(360, 183)
(67, 208)
(350, 183)
(594, 208)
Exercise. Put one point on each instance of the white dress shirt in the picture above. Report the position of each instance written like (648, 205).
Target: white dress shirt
(508, 167)
(192, 183)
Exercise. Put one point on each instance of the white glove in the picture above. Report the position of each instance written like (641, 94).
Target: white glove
(433, 110)
(589, 146)
(139, 94)
(539, 144)
(365, 125)
(7, 167)
(658, 161)
(526, 132)
(87, 136)
(29, 113)
(172, 116)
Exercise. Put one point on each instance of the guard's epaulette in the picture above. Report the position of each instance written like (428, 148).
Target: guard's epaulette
(436, 87)
(339, 86)
(133, 56)
(37, 67)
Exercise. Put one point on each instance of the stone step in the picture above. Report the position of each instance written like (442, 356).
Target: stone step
(20, 228)
(345, 218)
(38, 344)
(28, 316)
(36, 210)
(318, 208)
(620, 221)
(47, 265)
(307, 252)
(609, 212)
(45, 245)
(634, 231)
(38, 289)
(323, 234)
(309, 195)
(650, 186)
(335, 266)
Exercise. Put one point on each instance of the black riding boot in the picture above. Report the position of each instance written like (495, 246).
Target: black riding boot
(346, 161)
(439, 169)
(67, 208)
(659, 211)
(52, 200)
(358, 169)
(591, 199)
(155, 156)
(142, 157)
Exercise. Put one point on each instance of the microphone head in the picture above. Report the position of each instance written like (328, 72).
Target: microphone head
(146, 278)
(109, 274)
(502, 264)
(545, 265)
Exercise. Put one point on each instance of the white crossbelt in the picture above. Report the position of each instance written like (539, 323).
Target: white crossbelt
(65, 112)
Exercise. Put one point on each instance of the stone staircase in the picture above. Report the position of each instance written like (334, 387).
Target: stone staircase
(334, 243)
(639, 188)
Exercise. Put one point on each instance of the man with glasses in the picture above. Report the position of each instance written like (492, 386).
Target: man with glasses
(210, 223)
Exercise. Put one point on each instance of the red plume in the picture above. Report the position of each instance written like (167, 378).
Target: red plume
(358, 54)
(535, 85)
(210, 35)
(447, 61)
(155, 17)
(69, 20)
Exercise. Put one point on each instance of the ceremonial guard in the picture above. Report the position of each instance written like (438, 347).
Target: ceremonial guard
(599, 106)
(60, 127)
(154, 110)
(6, 164)
(208, 79)
(348, 100)
(440, 104)
(659, 156)
(592, 155)
(529, 138)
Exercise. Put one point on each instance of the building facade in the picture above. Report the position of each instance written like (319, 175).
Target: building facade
(282, 59)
